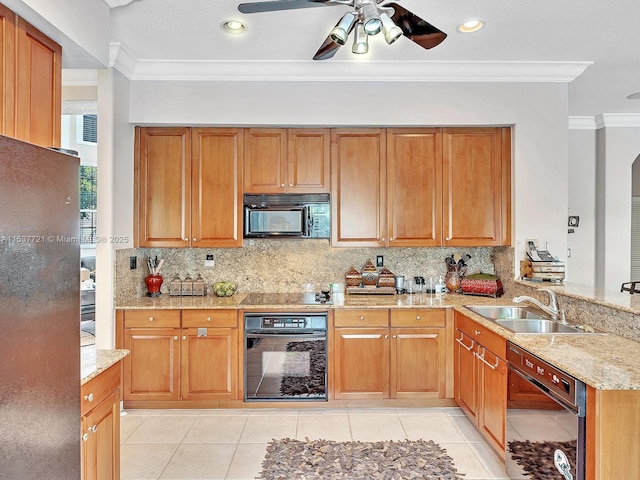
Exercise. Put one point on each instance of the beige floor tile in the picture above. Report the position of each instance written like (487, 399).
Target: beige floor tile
(467, 429)
(372, 411)
(436, 428)
(262, 428)
(420, 412)
(144, 462)
(200, 461)
(216, 429)
(162, 429)
(175, 412)
(466, 461)
(247, 461)
(376, 428)
(129, 424)
(324, 426)
(490, 460)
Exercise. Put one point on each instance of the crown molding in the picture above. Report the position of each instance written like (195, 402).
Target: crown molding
(117, 3)
(203, 70)
(605, 120)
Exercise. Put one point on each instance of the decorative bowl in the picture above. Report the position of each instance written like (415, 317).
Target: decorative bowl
(224, 289)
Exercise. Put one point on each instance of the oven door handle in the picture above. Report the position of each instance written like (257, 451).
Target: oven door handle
(546, 391)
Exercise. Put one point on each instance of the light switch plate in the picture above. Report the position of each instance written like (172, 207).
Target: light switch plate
(209, 262)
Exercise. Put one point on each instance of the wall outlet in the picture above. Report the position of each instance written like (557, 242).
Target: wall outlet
(133, 263)
(379, 261)
(208, 261)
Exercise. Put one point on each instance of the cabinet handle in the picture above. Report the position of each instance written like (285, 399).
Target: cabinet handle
(88, 398)
(186, 239)
(194, 239)
(382, 239)
(395, 336)
(386, 336)
(469, 348)
(477, 332)
(151, 319)
(208, 319)
(184, 337)
(85, 437)
(492, 367)
(361, 317)
(447, 238)
(93, 429)
(282, 185)
(175, 337)
(291, 184)
(417, 317)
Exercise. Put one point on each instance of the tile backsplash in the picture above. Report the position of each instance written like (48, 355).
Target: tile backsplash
(290, 265)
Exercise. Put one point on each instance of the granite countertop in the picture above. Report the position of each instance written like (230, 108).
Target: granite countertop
(93, 362)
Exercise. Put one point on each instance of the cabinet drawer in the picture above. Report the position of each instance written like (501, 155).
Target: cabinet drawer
(361, 318)
(482, 335)
(151, 318)
(99, 388)
(209, 318)
(418, 317)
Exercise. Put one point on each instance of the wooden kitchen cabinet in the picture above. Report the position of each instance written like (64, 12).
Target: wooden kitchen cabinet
(358, 175)
(279, 160)
(31, 82)
(375, 360)
(180, 355)
(188, 187)
(476, 186)
(480, 379)
(100, 409)
(414, 187)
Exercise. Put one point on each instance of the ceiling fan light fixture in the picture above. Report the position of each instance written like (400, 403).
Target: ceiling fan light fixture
(341, 31)
(371, 19)
(472, 25)
(361, 40)
(391, 31)
(233, 26)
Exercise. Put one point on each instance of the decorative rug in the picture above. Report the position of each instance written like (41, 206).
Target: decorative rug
(537, 458)
(304, 375)
(289, 459)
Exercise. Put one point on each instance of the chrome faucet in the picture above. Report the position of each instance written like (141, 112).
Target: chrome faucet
(551, 309)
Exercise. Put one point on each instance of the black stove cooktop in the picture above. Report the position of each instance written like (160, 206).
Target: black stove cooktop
(286, 299)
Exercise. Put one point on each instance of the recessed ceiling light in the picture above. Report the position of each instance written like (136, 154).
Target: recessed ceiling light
(233, 26)
(634, 96)
(471, 26)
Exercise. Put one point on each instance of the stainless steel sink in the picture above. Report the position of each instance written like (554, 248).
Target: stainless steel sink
(493, 312)
(540, 325)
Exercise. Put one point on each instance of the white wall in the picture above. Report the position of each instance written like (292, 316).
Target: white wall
(616, 151)
(538, 113)
(582, 202)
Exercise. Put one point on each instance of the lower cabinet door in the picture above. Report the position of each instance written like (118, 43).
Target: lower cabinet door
(152, 368)
(361, 365)
(209, 363)
(466, 375)
(493, 380)
(417, 363)
(101, 440)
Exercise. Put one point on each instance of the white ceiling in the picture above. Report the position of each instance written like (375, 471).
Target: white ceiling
(602, 36)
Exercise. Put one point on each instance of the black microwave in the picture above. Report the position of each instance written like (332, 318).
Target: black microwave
(287, 216)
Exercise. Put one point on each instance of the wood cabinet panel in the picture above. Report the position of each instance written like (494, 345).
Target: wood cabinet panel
(465, 377)
(361, 363)
(414, 186)
(209, 318)
(481, 334)
(152, 318)
(493, 385)
(163, 196)
(216, 187)
(101, 440)
(475, 186)
(98, 388)
(8, 52)
(358, 175)
(361, 318)
(265, 160)
(417, 362)
(209, 363)
(152, 367)
(309, 160)
(419, 317)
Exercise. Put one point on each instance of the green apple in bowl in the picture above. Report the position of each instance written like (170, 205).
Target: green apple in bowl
(224, 289)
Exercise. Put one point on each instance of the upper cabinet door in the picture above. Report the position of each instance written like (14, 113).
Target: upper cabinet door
(39, 87)
(8, 75)
(414, 186)
(358, 177)
(216, 187)
(265, 157)
(309, 160)
(477, 186)
(163, 189)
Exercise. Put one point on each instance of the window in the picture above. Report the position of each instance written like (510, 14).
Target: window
(88, 203)
(87, 129)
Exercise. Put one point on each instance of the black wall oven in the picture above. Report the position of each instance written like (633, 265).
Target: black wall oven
(285, 356)
(549, 443)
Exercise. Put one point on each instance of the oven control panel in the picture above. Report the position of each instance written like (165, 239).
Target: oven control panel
(556, 381)
(284, 322)
(269, 322)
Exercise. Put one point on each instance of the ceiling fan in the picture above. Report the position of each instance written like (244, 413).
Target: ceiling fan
(368, 17)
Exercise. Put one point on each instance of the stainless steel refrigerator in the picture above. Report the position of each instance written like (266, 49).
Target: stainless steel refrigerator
(39, 313)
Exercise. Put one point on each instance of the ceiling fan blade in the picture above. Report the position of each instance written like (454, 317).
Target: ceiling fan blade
(327, 50)
(275, 5)
(415, 28)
